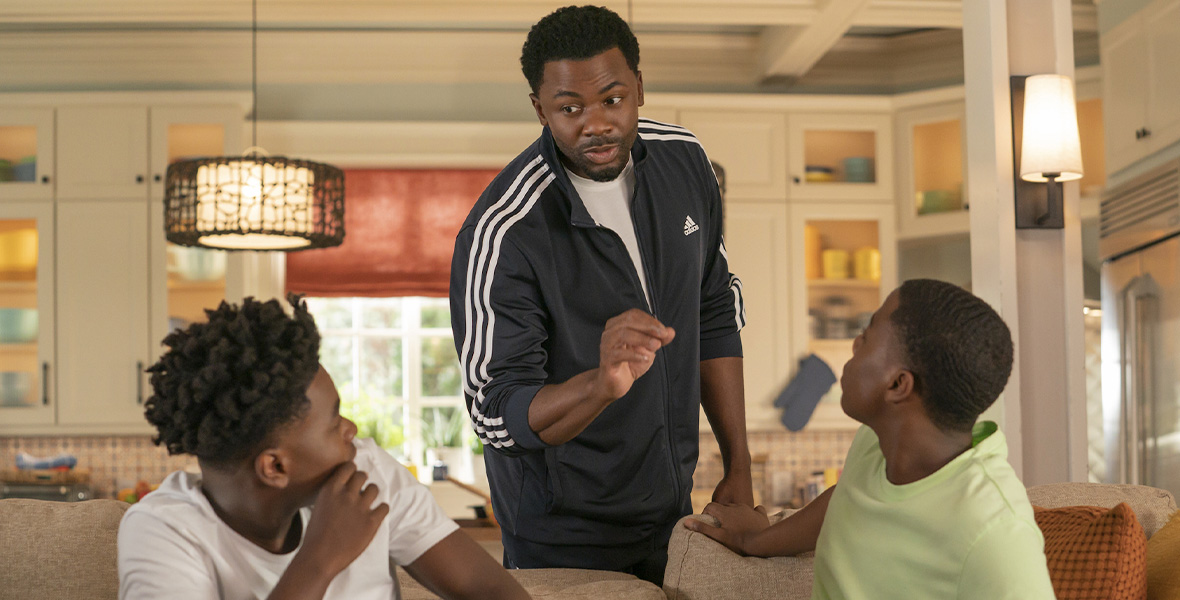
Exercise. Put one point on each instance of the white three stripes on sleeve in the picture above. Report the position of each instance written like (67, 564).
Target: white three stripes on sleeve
(479, 319)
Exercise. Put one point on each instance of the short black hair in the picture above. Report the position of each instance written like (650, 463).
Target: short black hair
(576, 33)
(958, 348)
(224, 386)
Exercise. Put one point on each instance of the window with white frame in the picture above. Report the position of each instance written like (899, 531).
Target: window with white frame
(393, 361)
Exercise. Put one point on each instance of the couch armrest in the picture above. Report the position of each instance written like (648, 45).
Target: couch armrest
(701, 569)
(1153, 506)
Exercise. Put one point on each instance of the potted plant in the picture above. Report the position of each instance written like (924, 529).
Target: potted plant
(442, 434)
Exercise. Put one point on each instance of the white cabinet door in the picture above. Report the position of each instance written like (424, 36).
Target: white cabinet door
(1163, 56)
(850, 157)
(27, 394)
(756, 244)
(102, 153)
(750, 146)
(26, 145)
(847, 227)
(931, 171)
(102, 312)
(1125, 82)
(177, 133)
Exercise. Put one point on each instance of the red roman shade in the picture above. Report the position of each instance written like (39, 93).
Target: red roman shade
(400, 227)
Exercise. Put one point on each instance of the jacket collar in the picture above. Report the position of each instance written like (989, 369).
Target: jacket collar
(579, 216)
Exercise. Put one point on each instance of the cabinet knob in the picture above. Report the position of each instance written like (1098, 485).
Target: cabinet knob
(158, 178)
(44, 179)
(1146, 132)
(139, 179)
(1138, 134)
(795, 179)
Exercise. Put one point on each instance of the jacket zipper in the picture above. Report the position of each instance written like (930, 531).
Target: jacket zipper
(659, 355)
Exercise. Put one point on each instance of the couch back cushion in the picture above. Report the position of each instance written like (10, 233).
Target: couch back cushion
(61, 550)
(1094, 552)
(1152, 506)
(1163, 562)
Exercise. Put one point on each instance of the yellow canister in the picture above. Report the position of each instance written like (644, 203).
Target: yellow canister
(835, 264)
(813, 266)
(866, 264)
(18, 250)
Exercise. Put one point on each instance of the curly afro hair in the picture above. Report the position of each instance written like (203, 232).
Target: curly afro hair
(223, 387)
(576, 33)
(957, 347)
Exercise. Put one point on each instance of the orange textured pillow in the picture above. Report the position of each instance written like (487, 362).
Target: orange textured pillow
(1094, 552)
(1163, 562)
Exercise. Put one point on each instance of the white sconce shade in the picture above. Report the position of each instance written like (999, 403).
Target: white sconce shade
(1050, 142)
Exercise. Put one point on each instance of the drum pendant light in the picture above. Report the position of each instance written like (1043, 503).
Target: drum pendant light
(254, 201)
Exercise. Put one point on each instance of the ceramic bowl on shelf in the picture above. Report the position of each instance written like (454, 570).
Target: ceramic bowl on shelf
(198, 264)
(818, 174)
(14, 388)
(18, 325)
(25, 169)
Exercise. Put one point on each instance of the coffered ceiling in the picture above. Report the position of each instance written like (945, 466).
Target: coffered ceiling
(458, 59)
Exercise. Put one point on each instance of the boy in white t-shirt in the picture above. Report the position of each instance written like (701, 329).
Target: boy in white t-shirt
(288, 504)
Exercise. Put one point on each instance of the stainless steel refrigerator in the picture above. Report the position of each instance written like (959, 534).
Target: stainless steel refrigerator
(1140, 247)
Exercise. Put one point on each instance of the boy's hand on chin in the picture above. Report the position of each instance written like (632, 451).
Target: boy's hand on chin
(343, 523)
(736, 523)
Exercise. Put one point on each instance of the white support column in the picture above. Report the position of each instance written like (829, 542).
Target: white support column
(990, 190)
(1049, 277)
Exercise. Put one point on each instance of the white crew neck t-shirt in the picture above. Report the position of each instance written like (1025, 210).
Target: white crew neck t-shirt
(172, 545)
(609, 204)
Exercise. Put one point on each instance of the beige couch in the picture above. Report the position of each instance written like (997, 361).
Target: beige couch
(701, 569)
(66, 551)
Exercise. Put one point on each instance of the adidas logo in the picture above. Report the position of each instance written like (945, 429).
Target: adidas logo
(689, 226)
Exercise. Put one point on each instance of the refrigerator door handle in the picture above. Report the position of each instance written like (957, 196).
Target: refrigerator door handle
(1138, 397)
(1148, 447)
(1128, 434)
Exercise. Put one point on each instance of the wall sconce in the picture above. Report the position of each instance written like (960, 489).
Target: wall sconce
(1045, 147)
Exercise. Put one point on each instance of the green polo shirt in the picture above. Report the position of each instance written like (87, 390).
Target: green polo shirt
(965, 531)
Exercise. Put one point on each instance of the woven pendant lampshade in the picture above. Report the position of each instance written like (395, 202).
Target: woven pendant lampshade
(254, 201)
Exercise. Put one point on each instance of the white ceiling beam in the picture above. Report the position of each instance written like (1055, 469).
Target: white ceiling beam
(792, 51)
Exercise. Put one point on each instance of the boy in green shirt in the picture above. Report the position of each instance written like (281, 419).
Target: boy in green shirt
(927, 505)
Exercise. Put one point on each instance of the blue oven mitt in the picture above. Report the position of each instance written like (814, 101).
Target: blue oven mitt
(798, 400)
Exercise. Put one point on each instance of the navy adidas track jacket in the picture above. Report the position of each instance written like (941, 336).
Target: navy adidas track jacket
(533, 282)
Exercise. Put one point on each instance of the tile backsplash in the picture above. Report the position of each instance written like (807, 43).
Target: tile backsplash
(114, 462)
(120, 461)
(790, 459)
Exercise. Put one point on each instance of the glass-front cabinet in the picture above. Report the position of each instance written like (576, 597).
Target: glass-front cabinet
(26, 154)
(194, 278)
(846, 254)
(843, 158)
(932, 190)
(26, 314)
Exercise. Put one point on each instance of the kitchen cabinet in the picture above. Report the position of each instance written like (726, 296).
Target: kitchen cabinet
(26, 154)
(840, 157)
(102, 152)
(756, 245)
(931, 182)
(750, 145)
(832, 296)
(117, 282)
(101, 305)
(27, 394)
(1141, 81)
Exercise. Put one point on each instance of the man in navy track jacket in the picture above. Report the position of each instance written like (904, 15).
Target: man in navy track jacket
(594, 311)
